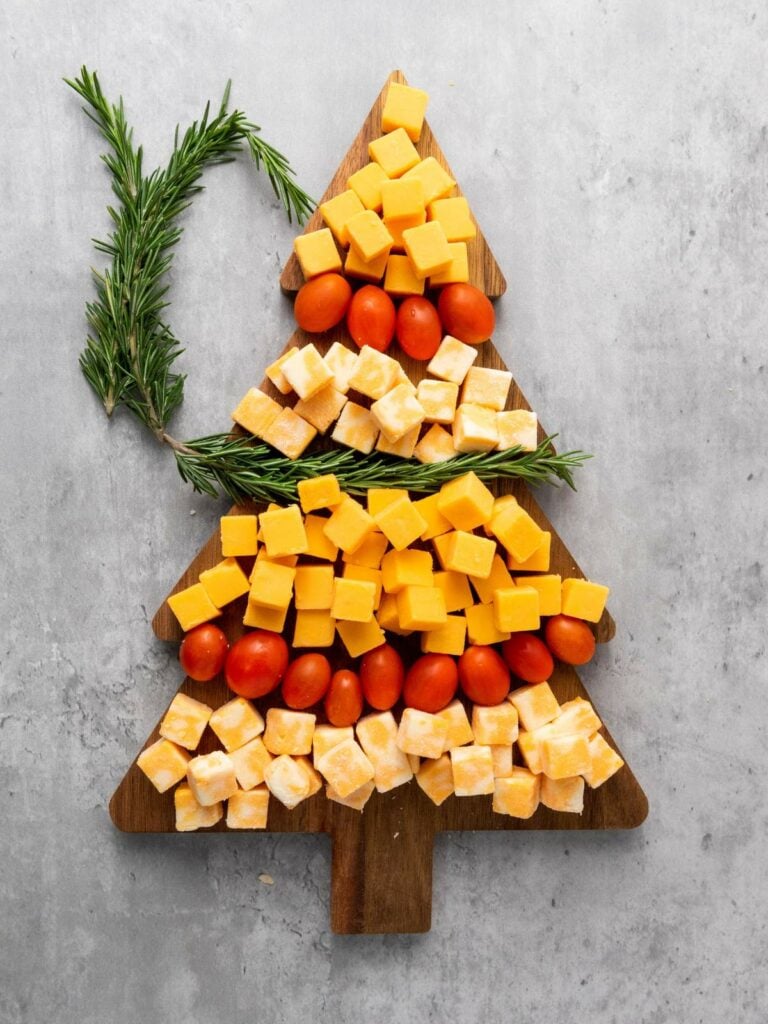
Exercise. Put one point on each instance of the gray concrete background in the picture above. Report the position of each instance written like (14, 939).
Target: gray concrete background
(615, 154)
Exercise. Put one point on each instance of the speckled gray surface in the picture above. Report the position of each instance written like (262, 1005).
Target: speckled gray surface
(616, 155)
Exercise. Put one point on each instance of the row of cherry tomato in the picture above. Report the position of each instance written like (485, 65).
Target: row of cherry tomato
(462, 311)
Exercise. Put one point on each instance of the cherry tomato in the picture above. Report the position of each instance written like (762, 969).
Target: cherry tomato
(306, 681)
(322, 302)
(203, 651)
(466, 313)
(256, 663)
(381, 676)
(483, 675)
(344, 699)
(371, 318)
(571, 640)
(528, 657)
(431, 683)
(417, 327)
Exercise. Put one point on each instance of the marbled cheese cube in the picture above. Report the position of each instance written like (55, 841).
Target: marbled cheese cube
(450, 638)
(474, 429)
(398, 412)
(499, 579)
(516, 609)
(236, 722)
(535, 704)
(517, 531)
(472, 770)
(436, 180)
(190, 815)
(192, 606)
(455, 588)
(185, 721)
(577, 717)
(400, 277)
(211, 777)
(271, 584)
(337, 211)
(364, 573)
(563, 794)
(370, 552)
(368, 235)
(250, 763)
(466, 502)
(466, 552)
(366, 183)
(400, 523)
(320, 546)
(225, 582)
(318, 492)
(356, 428)
(341, 361)
(371, 271)
(394, 153)
(345, 767)
(529, 746)
(421, 733)
(283, 532)
(427, 248)
(502, 761)
(289, 732)
(435, 778)
(314, 628)
(274, 372)
(481, 626)
(258, 616)
(377, 735)
(486, 387)
(604, 762)
(438, 400)
(327, 736)
(406, 568)
(375, 373)
(353, 600)
(360, 637)
(549, 590)
(289, 434)
(403, 448)
(317, 253)
(349, 525)
(315, 779)
(238, 535)
(457, 271)
(287, 780)
(538, 561)
(452, 360)
(459, 730)
(404, 108)
(455, 218)
(517, 794)
(164, 764)
(313, 587)
(356, 799)
(435, 446)
(495, 725)
(584, 600)
(248, 810)
(565, 756)
(322, 409)
(517, 427)
(307, 372)
(256, 412)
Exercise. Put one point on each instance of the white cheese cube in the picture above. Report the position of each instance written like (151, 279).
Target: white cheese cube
(421, 733)
(322, 409)
(341, 361)
(287, 780)
(185, 721)
(502, 761)
(356, 799)
(345, 767)
(164, 764)
(436, 779)
(327, 736)
(495, 725)
(248, 810)
(398, 412)
(289, 732)
(486, 387)
(536, 705)
(289, 433)
(474, 429)
(236, 722)
(275, 372)
(452, 360)
(459, 729)
(402, 448)
(356, 428)
(436, 446)
(306, 372)
(211, 777)
(375, 373)
(472, 768)
(517, 427)
(250, 763)
(377, 734)
(438, 400)
(563, 794)
(190, 815)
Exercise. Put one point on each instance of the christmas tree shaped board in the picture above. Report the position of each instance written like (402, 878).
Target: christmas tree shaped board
(382, 858)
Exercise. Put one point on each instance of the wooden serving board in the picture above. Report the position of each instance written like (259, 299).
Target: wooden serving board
(381, 874)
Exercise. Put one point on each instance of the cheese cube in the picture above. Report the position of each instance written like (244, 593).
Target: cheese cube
(394, 153)
(378, 498)
(360, 637)
(457, 271)
(211, 777)
(604, 762)
(517, 427)
(313, 587)
(499, 579)
(565, 756)
(371, 271)
(529, 745)
(455, 218)
(400, 277)
(404, 108)
(287, 780)
(274, 372)
(450, 638)
(466, 502)
(190, 815)
(271, 507)
(346, 767)
(185, 721)
(576, 716)
(341, 361)
(271, 584)
(224, 582)
(474, 429)
(192, 606)
(538, 561)
(322, 409)
(314, 629)
(563, 794)
(283, 532)
(258, 616)
(403, 448)
(315, 779)
(459, 729)
(400, 523)
(452, 360)
(289, 732)
(353, 600)
(337, 211)
(455, 588)
(256, 412)
(499, 503)
(438, 400)
(370, 552)
(502, 761)
(377, 735)
(435, 778)
(468, 553)
(248, 810)
(549, 589)
(163, 763)
(427, 248)
(317, 253)
(435, 446)
(517, 794)
(517, 531)
(236, 723)
(319, 492)
(396, 226)
(375, 373)
(406, 568)
(364, 573)
(421, 607)
(402, 198)
(495, 725)
(421, 733)
(435, 179)
(398, 412)
(481, 626)
(289, 434)
(238, 535)
(356, 428)
(535, 704)
(250, 762)
(366, 184)
(356, 800)
(327, 736)
(387, 616)
(307, 372)
(472, 770)
(584, 600)
(349, 525)
(516, 609)
(436, 522)
(368, 235)
(486, 387)
(319, 546)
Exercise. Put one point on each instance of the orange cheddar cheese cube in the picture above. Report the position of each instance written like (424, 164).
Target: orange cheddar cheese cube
(256, 412)
(549, 590)
(366, 184)
(370, 270)
(319, 492)
(370, 552)
(289, 732)
(466, 502)
(317, 253)
(314, 628)
(356, 800)
(438, 400)
(499, 579)
(289, 434)
(517, 427)
(164, 764)
(398, 412)
(307, 372)
(349, 525)
(564, 756)
(224, 582)
(404, 108)
(192, 606)
(536, 705)
(450, 638)
(250, 763)
(341, 361)
(259, 616)
(287, 780)
(538, 561)
(368, 235)
(468, 553)
(457, 270)
(517, 794)
(436, 180)
(472, 768)
(356, 428)
(379, 497)
(400, 277)
(455, 588)
(454, 216)
(396, 226)
(394, 153)
(435, 446)
(495, 725)
(360, 637)
(353, 600)
(236, 723)
(516, 609)
(604, 762)
(435, 778)
(283, 532)
(366, 574)
(452, 360)
(337, 211)
(211, 777)
(345, 767)
(327, 736)
(238, 535)
(428, 509)
(481, 626)
(185, 721)
(248, 809)
(486, 387)
(421, 607)
(271, 584)
(517, 531)
(427, 248)
(313, 587)
(401, 523)
(583, 599)
(502, 761)
(318, 545)
(406, 568)
(474, 428)
(274, 372)
(499, 503)
(190, 815)
(377, 735)
(563, 794)
(402, 197)
(421, 733)
(459, 730)
(323, 409)
(387, 615)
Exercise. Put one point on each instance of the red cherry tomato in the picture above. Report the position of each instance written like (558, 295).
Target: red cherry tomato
(344, 700)
(256, 663)
(528, 657)
(571, 640)
(203, 651)
(483, 675)
(306, 681)
(371, 318)
(431, 683)
(322, 302)
(381, 676)
(466, 313)
(417, 327)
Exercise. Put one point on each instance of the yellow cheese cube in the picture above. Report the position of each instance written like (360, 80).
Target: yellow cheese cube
(549, 588)
(283, 532)
(315, 628)
(421, 733)
(459, 729)
(396, 226)
(238, 535)
(403, 448)
(538, 561)
(322, 409)
(319, 492)
(517, 794)
(450, 638)
(472, 768)
(435, 446)
(271, 584)
(360, 637)
(604, 762)
(185, 721)
(404, 108)
(290, 434)
(341, 361)
(375, 373)
(327, 736)
(370, 552)
(366, 183)
(371, 270)
(287, 780)
(583, 599)
(486, 387)
(192, 606)
(236, 723)
(536, 705)
(499, 579)
(481, 626)
(356, 428)
(248, 810)
(356, 800)
(289, 732)
(256, 412)
(307, 372)
(467, 553)
(379, 497)
(368, 235)
(427, 248)
(516, 609)
(436, 180)
(495, 725)
(317, 253)
(336, 213)
(455, 588)
(517, 531)
(438, 400)
(274, 372)
(224, 582)
(406, 568)
(502, 761)
(436, 779)
(565, 756)
(377, 735)
(498, 504)
(345, 767)
(401, 523)
(349, 525)
(402, 198)
(457, 271)
(190, 815)
(563, 794)
(400, 278)
(576, 716)
(466, 502)
(452, 360)
(211, 778)
(395, 153)
(164, 764)
(318, 545)
(398, 412)
(258, 616)
(517, 427)
(441, 545)
(455, 218)
(353, 571)
(250, 763)
(271, 507)
(387, 616)
(421, 607)
(436, 522)
(313, 587)
(353, 600)
(474, 429)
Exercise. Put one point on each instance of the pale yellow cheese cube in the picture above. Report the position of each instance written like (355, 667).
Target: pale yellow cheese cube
(472, 770)
(457, 271)
(274, 372)
(271, 584)
(341, 361)
(349, 525)
(499, 579)
(604, 762)
(401, 197)
(370, 270)
(225, 582)
(283, 532)
(517, 794)
(236, 722)
(322, 409)
(421, 733)
(563, 794)
(368, 235)
(256, 412)
(486, 387)
(366, 183)
(370, 552)
(396, 227)
(404, 108)
(356, 428)
(438, 400)
(535, 704)
(576, 716)
(435, 778)
(377, 735)
(356, 799)
(435, 446)
(317, 253)
(452, 360)
(375, 373)
(289, 434)
(517, 427)
(474, 429)
(259, 616)
(289, 732)
(320, 546)
(248, 810)
(192, 606)
(318, 492)
(307, 372)
(185, 721)
(449, 638)
(427, 248)
(454, 215)
(345, 767)
(337, 211)
(394, 153)
(502, 761)
(495, 725)
(398, 412)
(238, 535)
(190, 815)
(327, 736)
(287, 780)
(250, 763)
(211, 777)
(459, 730)
(400, 277)
(403, 448)
(565, 756)
(436, 180)
(360, 637)
(481, 627)
(164, 764)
